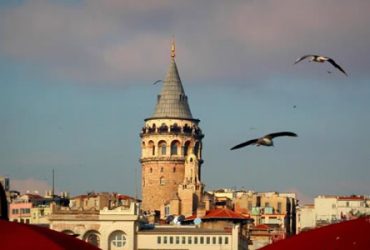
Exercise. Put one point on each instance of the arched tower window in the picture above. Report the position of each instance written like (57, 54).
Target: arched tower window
(186, 148)
(151, 148)
(163, 128)
(174, 147)
(151, 170)
(162, 147)
(174, 169)
(196, 149)
(175, 128)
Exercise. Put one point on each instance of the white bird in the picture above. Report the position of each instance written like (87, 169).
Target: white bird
(265, 140)
(321, 59)
(157, 82)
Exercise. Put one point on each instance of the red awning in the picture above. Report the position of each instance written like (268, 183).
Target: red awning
(353, 234)
(17, 236)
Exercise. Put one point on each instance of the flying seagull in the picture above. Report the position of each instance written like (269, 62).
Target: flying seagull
(265, 140)
(321, 59)
(157, 82)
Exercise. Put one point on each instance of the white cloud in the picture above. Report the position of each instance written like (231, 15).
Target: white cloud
(103, 41)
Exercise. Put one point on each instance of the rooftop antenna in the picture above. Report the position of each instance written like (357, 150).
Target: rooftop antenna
(136, 182)
(52, 189)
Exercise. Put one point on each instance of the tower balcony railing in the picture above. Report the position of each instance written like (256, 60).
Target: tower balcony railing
(173, 130)
(172, 158)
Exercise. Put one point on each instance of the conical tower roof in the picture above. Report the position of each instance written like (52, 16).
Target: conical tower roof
(172, 101)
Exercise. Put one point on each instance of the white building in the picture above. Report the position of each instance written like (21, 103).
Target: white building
(329, 209)
(190, 237)
(305, 217)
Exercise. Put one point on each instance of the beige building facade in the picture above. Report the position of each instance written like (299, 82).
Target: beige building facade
(108, 229)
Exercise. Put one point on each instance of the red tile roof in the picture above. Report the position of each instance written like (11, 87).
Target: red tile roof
(224, 213)
(354, 234)
(351, 198)
(220, 213)
(126, 197)
(261, 227)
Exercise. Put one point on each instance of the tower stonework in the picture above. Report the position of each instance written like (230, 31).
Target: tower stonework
(170, 139)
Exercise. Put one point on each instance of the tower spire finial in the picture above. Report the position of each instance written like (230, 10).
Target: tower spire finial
(173, 48)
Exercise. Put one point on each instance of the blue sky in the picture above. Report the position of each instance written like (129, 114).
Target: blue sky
(76, 85)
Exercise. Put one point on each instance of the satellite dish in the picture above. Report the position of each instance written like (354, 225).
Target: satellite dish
(197, 221)
(169, 219)
(176, 220)
(181, 218)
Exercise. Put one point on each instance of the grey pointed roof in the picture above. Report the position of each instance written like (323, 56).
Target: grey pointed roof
(172, 101)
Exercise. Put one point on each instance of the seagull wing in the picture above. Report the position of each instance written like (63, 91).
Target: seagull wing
(273, 135)
(244, 144)
(337, 66)
(157, 81)
(302, 58)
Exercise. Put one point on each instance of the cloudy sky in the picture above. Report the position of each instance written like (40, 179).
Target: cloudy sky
(76, 85)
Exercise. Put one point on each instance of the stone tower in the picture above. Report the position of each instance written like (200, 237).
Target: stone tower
(171, 146)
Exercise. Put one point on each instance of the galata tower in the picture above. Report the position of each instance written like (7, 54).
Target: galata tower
(171, 147)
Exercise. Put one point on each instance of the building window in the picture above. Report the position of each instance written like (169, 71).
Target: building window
(347, 203)
(196, 148)
(162, 169)
(171, 239)
(174, 148)
(201, 240)
(167, 210)
(153, 150)
(220, 240)
(177, 240)
(208, 240)
(186, 148)
(183, 240)
(250, 205)
(92, 237)
(213, 240)
(267, 204)
(195, 240)
(163, 147)
(158, 239)
(279, 207)
(226, 240)
(117, 239)
(151, 170)
(165, 240)
(25, 210)
(162, 181)
(174, 169)
(189, 240)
